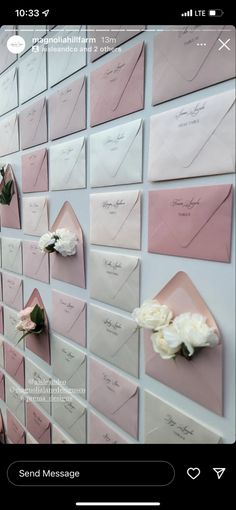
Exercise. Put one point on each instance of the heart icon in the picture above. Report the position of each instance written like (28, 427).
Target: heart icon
(193, 472)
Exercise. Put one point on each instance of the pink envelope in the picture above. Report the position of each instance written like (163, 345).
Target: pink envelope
(12, 291)
(14, 364)
(181, 67)
(0, 286)
(9, 138)
(101, 433)
(119, 34)
(1, 320)
(117, 88)
(37, 424)
(69, 269)
(39, 344)
(35, 171)
(35, 262)
(15, 431)
(200, 379)
(33, 124)
(67, 109)
(188, 222)
(10, 214)
(2, 386)
(69, 317)
(114, 396)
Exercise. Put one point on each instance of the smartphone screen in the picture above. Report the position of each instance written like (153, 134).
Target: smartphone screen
(117, 274)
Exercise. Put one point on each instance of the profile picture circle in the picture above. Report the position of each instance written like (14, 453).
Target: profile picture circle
(16, 44)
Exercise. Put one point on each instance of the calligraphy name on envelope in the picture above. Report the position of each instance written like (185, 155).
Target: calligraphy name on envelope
(14, 364)
(69, 365)
(35, 262)
(117, 88)
(15, 431)
(58, 437)
(115, 219)
(101, 433)
(71, 415)
(68, 165)
(180, 68)
(10, 331)
(114, 396)
(9, 138)
(115, 279)
(12, 291)
(119, 35)
(67, 109)
(32, 74)
(69, 317)
(8, 91)
(36, 378)
(12, 255)
(116, 155)
(7, 58)
(37, 424)
(33, 124)
(166, 425)
(62, 64)
(15, 399)
(2, 388)
(188, 222)
(35, 171)
(208, 130)
(114, 338)
(35, 216)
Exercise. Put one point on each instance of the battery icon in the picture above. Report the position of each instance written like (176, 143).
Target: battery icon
(215, 12)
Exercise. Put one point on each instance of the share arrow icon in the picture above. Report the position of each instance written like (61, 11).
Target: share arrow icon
(219, 472)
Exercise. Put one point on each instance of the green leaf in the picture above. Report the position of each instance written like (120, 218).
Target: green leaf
(7, 193)
(37, 316)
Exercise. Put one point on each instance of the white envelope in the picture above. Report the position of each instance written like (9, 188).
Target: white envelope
(30, 439)
(115, 279)
(114, 338)
(115, 219)
(32, 75)
(9, 137)
(8, 91)
(35, 215)
(15, 399)
(195, 139)
(58, 437)
(10, 332)
(63, 63)
(71, 415)
(38, 386)
(166, 425)
(29, 33)
(69, 365)
(1, 353)
(68, 165)
(116, 155)
(12, 255)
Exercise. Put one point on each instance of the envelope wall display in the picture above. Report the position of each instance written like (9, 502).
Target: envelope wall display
(15, 399)
(119, 35)
(9, 137)
(12, 255)
(208, 130)
(12, 291)
(59, 437)
(35, 171)
(180, 68)
(14, 364)
(69, 317)
(68, 165)
(32, 74)
(35, 262)
(67, 109)
(10, 213)
(70, 414)
(7, 58)
(14, 431)
(39, 344)
(69, 365)
(10, 331)
(33, 124)
(35, 215)
(8, 90)
(38, 424)
(38, 386)
(101, 433)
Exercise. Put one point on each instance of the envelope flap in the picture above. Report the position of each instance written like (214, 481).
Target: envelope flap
(68, 219)
(117, 268)
(37, 422)
(34, 160)
(186, 211)
(68, 153)
(68, 97)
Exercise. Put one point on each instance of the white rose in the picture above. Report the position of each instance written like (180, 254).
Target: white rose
(46, 242)
(152, 315)
(165, 344)
(192, 330)
(66, 244)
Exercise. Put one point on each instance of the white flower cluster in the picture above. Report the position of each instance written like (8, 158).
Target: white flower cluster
(62, 241)
(181, 335)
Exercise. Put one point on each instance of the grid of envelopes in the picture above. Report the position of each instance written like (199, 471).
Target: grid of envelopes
(93, 144)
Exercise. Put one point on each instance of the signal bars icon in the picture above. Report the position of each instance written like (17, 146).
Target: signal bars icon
(187, 13)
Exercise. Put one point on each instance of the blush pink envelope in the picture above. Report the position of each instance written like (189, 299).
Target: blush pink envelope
(37, 424)
(35, 262)
(33, 124)
(39, 344)
(200, 379)
(69, 269)
(35, 171)
(14, 364)
(114, 396)
(117, 88)
(101, 433)
(14, 430)
(9, 137)
(69, 317)
(180, 68)
(10, 214)
(67, 109)
(1, 319)
(12, 291)
(188, 222)
(2, 387)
